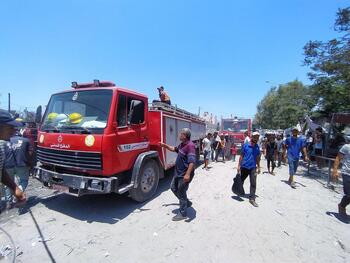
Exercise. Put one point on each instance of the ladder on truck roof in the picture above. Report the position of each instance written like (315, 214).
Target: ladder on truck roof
(156, 106)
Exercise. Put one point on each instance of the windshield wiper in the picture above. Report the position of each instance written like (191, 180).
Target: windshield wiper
(81, 129)
(51, 129)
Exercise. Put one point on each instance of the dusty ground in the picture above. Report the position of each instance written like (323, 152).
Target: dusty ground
(291, 225)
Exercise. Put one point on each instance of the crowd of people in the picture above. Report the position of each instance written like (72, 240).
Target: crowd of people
(248, 165)
(274, 147)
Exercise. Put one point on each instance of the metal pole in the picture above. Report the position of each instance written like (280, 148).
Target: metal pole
(9, 102)
(329, 171)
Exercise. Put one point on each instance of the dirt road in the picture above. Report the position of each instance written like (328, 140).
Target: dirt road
(290, 225)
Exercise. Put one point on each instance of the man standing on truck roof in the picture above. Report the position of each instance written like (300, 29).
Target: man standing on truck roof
(184, 171)
(164, 97)
(7, 124)
(344, 157)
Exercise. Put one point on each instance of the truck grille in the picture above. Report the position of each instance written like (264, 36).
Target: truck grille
(71, 159)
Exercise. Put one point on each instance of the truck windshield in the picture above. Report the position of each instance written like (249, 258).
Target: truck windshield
(78, 111)
(235, 125)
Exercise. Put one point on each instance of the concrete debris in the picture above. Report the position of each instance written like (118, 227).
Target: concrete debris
(70, 249)
(45, 239)
(286, 233)
(279, 212)
(5, 251)
(340, 244)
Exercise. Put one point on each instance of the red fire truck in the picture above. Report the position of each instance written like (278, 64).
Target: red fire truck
(99, 138)
(234, 128)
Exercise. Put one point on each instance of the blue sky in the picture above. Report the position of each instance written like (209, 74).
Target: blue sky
(216, 55)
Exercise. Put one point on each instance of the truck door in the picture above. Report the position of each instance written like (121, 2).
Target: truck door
(132, 138)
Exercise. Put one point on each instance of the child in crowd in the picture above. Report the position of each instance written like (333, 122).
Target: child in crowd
(233, 152)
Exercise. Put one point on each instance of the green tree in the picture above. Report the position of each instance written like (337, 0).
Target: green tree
(265, 109)
(330, 68)
(282, 107)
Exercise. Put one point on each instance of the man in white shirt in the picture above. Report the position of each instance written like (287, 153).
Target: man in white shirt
(246, 137)
(343, 157)
(206, 148)
(217, 145)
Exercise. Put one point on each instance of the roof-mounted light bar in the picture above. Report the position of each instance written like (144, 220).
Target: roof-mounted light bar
(95, 84)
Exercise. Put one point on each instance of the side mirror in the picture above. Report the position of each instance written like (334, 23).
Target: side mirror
(38, 114)
(136, 113)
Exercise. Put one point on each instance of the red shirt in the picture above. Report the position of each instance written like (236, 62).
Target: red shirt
(164, 96)
(233, 150)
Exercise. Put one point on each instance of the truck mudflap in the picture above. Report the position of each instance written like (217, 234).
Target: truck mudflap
(77, 185)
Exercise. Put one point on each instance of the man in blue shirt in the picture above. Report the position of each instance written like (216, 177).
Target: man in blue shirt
(184, 170)
(249, 164)
(294, 145)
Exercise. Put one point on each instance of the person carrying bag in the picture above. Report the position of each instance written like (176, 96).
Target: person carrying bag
(237, 186)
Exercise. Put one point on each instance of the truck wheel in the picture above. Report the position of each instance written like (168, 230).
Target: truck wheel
(148, 179)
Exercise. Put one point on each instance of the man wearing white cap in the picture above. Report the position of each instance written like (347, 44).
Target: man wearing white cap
(249, 164)
(294, 145)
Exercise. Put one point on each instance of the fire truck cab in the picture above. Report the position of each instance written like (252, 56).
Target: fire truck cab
(234, 129)
(99, 138)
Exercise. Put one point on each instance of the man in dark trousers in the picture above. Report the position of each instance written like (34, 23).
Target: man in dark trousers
(344, 158)
(270, 153)
(184, 170)
(279, 143)
(7, 129)
(249, 164)
(19, 161)
(214, 146)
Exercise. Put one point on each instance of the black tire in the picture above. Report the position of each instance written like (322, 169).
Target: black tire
(147, 179)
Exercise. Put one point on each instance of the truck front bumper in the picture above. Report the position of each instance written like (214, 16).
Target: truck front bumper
(76, 185)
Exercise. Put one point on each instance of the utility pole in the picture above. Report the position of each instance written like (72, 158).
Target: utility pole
(9, 101)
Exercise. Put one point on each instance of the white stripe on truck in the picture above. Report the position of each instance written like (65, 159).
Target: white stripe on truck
(132, 146)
